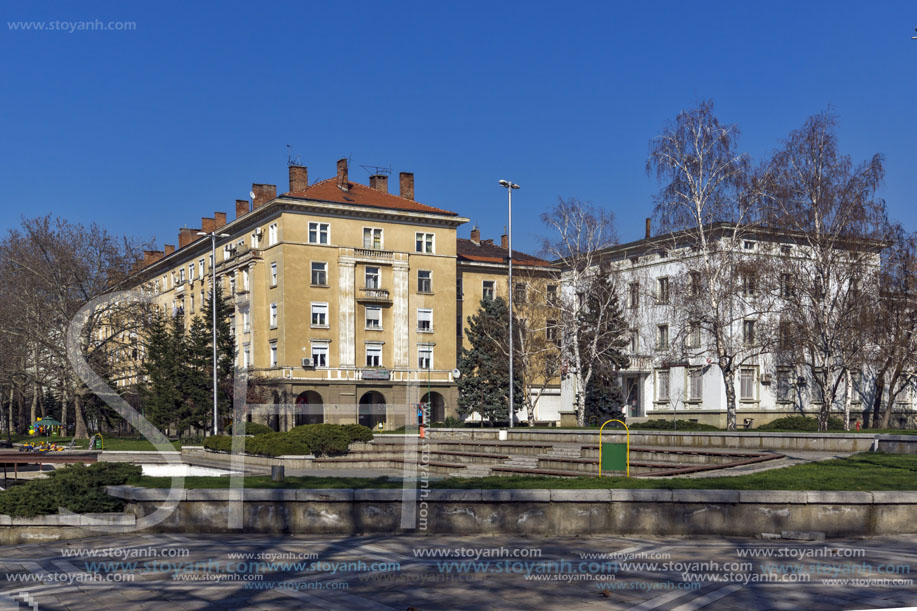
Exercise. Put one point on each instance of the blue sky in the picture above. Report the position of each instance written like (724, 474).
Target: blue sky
(146, 131)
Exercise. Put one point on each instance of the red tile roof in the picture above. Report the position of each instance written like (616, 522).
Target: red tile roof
(488, 252)
(361, 195)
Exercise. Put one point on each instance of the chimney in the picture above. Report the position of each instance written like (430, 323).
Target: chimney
(504, 241)
(342, 174)
(379, 182)
(299, 178)
(406, 180)
(242, 207)
(150, 257)
(168, 249)
(207, 225)
(186, 236)
(647, 228)
(476, 235)
(488, 242)
(219, 219)
(264, 194)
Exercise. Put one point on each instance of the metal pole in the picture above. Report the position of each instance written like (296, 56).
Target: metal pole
(509, 192)
(213, 307)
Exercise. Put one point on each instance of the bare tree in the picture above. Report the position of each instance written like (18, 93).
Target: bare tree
(829, 207)
(589, 318)
(703, 208)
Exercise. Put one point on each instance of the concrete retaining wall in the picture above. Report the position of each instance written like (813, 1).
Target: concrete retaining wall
(542, 512)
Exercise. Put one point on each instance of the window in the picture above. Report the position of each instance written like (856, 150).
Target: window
(256, 238)
(272, 234)
(227, 251)
(784, 390)
(246, 321)
(423, 242)
(210, 259)
(165, 282)
(551, 332)
(373, 317)
(748, 245)
(787, 290)
(232, 283)
(273, 353)
(748, 332)
(487, 289)
(372, 238)
(319, 273)
(695, 384)
(191, 272)
(371, 277)
(274, 273)
(634, 341)
(273, 315)
(181, 275)
(784, 335)
(693, 339)
(425, 320)
(749, 283)
(318, 233)
(786, 249)
(202, 298)
(747, 384)
(519, 292)
(424, 356)
(374, 355)
(246, 355)
(244, 279)
(662, 337)
(633, 295)
(424, 281)
(320, 354)
(662, 290)
(695, 283)
(662, 385)
(319, 314)
(552, 293)
(200, 268)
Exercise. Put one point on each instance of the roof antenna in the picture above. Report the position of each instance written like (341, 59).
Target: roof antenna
(291, 158)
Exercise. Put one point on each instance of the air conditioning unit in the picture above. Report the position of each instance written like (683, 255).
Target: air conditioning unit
(308, 363)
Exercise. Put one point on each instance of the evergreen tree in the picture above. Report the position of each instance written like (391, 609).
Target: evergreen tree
(164, 347)
(484, 384)
(604, 401)
(200, 364)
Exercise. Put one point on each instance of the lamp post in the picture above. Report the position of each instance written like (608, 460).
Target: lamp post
(213, 308)
(509, 186)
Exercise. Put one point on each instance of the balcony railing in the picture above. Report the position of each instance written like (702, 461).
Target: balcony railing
(373, 253)
(375, 295)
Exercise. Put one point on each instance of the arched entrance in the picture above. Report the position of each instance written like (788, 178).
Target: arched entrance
(273, 420)
(311, 408)
(372, 409)
(437, 406)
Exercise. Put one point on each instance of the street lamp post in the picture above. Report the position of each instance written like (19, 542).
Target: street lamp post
(509, 186)
(213, 308)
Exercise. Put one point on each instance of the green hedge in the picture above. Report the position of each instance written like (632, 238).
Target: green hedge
(669, 425)
(800, 423)
(327, 439)
(79, 488)
(317, 439)
(255, 428)
(358, 432)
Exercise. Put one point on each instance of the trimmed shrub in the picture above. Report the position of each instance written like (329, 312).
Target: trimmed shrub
(275, 444)
(800, 423)
(255, 428)
(78, 488)
(358, 432)
(669, 425)
(219, 443)
(327, 439)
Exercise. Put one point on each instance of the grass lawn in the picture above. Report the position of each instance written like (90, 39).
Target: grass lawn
(865, 471)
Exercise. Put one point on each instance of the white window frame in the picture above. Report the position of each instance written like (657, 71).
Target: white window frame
(743, 396)
(377, 276)
(488, 292)
(323, 271)
(273, 273)
(663, 383)
(245, 280)
(749, 324)
(272, 234)
(200, 268)
(246, 321)
(376, 317)
(371, 233)
(320, 353)
(425, 351)
(273, 319)
(321, 230)
(255, 239)
(662, 337)
(320, 309)
(424, 242)
(373, 354)
(246, 355)
(429, 281)
(191, 272)
(181, 275)
(424, 315)
(694, 385)
(662, 290)
(272, 350)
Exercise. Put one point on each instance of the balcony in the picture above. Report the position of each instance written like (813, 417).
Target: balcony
(369, 295)
(373, 253)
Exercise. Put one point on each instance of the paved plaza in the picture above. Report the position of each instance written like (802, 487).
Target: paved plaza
(244, 571)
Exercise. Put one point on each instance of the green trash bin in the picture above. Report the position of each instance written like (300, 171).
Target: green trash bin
(614, 457)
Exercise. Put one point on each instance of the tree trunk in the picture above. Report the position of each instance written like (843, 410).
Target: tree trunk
(877, 399)
(825, 410)
(730, 383)
(848, 397)
(33, 407)
(10, 424)
(79, 431)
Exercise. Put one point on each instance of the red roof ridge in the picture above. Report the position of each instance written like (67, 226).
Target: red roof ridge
(363, 191)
